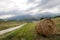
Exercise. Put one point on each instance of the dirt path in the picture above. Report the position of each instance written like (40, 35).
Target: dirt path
(11, 29)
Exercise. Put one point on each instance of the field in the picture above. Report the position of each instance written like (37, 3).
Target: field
(9, 24)
(28, 32)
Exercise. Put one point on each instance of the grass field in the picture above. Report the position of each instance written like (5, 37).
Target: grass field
(9, 24)
(57, 22)
(28, 32)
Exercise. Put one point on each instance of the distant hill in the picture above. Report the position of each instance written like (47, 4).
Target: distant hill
(36, 16)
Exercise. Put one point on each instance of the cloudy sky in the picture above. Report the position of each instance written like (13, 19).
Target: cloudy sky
(10, 8)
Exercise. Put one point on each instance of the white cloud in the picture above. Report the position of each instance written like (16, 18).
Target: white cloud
(25, 5)
(6, 16)
(6, 5)
(30, 6)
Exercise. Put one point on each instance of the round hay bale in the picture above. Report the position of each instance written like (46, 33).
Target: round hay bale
(46, 27)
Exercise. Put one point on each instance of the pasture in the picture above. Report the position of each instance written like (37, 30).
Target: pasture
(28, 32)
(9, 24)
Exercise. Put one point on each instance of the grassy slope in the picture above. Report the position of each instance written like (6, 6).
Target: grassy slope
(28, 32)
(5, 25)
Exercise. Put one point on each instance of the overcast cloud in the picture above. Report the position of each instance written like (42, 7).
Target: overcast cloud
(18, 7)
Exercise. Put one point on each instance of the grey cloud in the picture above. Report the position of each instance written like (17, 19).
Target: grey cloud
(30, 1)
(13, 12)
(51, 4)
(46, 4)
(43, 2)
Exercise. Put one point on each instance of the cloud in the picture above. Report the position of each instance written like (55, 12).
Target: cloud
(6, 16)
(46, 4)
(21, 7)
(51, 3)
(53, 10)
(30, 1)
(8, 5)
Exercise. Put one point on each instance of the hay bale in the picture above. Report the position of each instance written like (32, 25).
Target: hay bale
(46, 27)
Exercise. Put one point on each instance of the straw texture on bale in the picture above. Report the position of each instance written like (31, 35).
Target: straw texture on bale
(46, 27)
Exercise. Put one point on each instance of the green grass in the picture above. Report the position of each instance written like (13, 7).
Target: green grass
(28, 32)
(57, 22)
(9, 24)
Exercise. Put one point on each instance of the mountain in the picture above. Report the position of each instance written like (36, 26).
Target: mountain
(44, 15)
(22, 17)
(36, 16)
